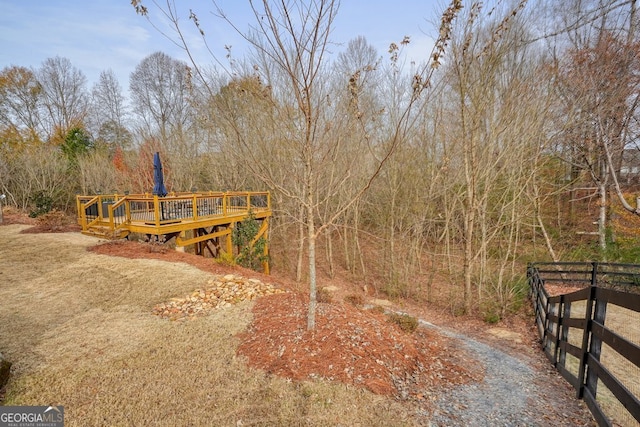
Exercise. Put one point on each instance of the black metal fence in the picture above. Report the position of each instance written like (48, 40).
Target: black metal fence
(601, 362)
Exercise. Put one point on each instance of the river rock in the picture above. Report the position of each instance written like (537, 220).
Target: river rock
(219, 293)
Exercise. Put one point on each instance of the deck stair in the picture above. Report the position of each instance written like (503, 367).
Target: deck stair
(105, 232)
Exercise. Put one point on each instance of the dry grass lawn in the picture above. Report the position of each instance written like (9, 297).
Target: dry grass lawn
(79, 330)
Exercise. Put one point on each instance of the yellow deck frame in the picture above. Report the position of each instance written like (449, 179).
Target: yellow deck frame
(199, 219)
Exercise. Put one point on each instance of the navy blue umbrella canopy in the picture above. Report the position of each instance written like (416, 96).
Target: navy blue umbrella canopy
(158, 179)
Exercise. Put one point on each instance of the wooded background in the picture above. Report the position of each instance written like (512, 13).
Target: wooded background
(514, 140)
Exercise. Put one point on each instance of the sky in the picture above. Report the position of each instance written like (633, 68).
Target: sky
(97, 35)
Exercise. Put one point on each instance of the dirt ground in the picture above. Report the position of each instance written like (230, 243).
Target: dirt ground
(354, 344)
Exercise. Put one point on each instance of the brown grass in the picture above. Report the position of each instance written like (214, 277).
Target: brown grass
(78, 328)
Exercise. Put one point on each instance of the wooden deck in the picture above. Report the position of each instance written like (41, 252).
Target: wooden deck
(199, 219)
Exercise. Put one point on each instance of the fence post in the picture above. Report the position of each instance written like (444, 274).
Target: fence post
(194, 207)
(594, 274)
(533, 292)
(556, 350)
(595, 347)
(156, 211)
(564, 333)
(127, 210)
(547, 308)
(586, 334)
(225, 204)
(100, 213)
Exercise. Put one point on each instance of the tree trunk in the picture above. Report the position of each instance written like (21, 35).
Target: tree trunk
(392, 276)
(602, 220)
(547, 239)
(469, 217)
(300, 246)
(345, 243)
(311, 318)
(329, 247)
(357, 250)
(469, 225)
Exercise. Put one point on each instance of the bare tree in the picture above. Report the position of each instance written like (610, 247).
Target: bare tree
(597, 83)
(159, 92)
(293, 38)
(20, 99)
(162, 94)
(65, 99)
(109, 112)
(37, 107)
(494, 116)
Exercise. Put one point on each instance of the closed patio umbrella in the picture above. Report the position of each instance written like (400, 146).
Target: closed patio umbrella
(158, 179)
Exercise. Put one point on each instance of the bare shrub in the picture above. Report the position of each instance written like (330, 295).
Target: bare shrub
(324, 296)
(354, 299)
(406, 322)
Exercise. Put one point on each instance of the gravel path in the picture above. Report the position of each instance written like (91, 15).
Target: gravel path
(513, 393)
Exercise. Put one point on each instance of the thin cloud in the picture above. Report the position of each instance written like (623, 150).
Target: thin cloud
(98, 35)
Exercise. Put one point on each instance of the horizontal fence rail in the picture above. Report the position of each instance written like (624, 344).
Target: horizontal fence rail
(592, 336)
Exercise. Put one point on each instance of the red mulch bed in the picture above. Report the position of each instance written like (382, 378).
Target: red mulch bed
(351, 345)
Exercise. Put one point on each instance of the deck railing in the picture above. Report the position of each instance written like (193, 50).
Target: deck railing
(120, 212)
